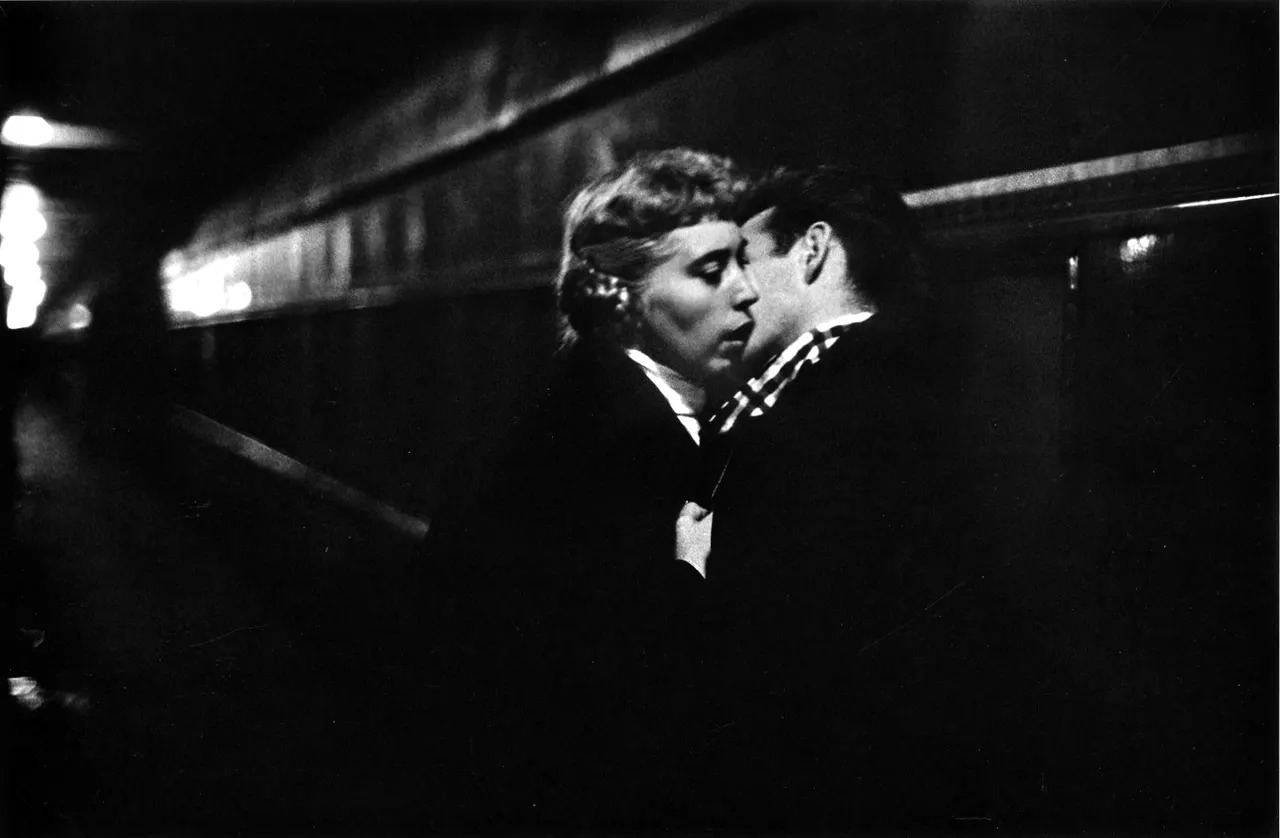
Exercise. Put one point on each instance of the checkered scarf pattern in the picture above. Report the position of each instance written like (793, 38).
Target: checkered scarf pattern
(761, 393)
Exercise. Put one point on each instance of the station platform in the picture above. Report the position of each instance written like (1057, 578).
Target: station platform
(176, 669)
(159, 685)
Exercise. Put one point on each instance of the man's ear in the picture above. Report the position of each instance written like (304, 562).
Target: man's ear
(815, 244)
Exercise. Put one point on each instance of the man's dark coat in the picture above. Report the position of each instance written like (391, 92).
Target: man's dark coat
(850, 626)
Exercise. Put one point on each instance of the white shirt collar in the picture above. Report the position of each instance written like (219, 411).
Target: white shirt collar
(685, 397)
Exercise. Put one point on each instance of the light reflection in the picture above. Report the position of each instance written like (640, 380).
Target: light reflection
(79, 317)
(239, 296)
(17, 252)
(20, 316)
(1217, 201)
(27, 130)
(173, 265)
(23, 223)
(21, 197)
(29, 695)
(22, 272)
(24, 302)
(203, 292)
(26, 692)
(1139, 248)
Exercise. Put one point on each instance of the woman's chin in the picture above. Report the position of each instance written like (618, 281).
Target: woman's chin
(726, 376)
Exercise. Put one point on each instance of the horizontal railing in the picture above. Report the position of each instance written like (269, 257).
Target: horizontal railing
(301, 475)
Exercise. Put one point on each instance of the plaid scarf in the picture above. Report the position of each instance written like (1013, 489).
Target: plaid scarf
(761, 393)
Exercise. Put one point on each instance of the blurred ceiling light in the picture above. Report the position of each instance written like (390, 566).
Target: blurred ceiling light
(25, 224)
(21, 273)
(33, 291)
(15, 252)
(26, 130)
(24, 302)
(20, 317)
(21, 197)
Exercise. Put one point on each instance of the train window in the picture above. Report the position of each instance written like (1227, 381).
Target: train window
(366, 246)
(338, 256)
(312, 242)
(293, 242)
(415, 232)
(394, 239)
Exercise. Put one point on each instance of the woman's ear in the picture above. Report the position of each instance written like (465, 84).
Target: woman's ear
(815, 244)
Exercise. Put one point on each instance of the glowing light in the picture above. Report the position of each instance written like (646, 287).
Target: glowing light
(31, 293)
(239, 296)
(24, 303)
(209, 295)
(202, 292)
(1137, 249)
(79, 317)
(17, 252)
(21, 224)
(173, 265)
(1216, 201)
(21, 196)
(26, 129)
(26, 224)
(20, 317)
(26, 692)
(22, 272)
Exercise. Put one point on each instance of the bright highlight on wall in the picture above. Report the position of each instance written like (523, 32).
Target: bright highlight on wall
(21, 224)
(205, 291)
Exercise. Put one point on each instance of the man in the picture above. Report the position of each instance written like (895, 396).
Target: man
(846, 632)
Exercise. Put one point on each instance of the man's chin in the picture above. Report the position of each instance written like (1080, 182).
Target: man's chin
(757, 356)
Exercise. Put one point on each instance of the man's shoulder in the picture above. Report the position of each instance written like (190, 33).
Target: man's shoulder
(883, 356)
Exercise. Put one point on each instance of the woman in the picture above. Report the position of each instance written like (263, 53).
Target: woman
(575, 613)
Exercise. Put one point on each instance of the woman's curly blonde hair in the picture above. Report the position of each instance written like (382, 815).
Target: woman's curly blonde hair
(616, 230)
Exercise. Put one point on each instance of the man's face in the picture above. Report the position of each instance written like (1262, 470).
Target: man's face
(779, 278)
(695, 304)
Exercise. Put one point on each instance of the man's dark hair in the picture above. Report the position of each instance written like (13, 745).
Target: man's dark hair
(876, 227)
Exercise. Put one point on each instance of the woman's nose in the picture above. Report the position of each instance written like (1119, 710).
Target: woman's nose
(744, 288)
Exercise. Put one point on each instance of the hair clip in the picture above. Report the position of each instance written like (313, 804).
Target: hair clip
(606, 285)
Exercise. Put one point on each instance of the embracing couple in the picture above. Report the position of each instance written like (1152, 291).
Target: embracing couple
(721, 573)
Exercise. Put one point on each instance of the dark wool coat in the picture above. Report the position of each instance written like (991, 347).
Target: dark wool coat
(565, 617)
(852, 635)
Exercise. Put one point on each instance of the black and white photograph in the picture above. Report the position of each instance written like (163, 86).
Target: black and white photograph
(660, 417)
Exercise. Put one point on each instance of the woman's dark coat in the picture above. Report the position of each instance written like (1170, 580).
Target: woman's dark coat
(565, 615)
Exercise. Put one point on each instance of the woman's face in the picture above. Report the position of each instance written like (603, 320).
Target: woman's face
(693, 305)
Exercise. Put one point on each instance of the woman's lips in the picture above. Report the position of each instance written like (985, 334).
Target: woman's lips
(740, 334)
